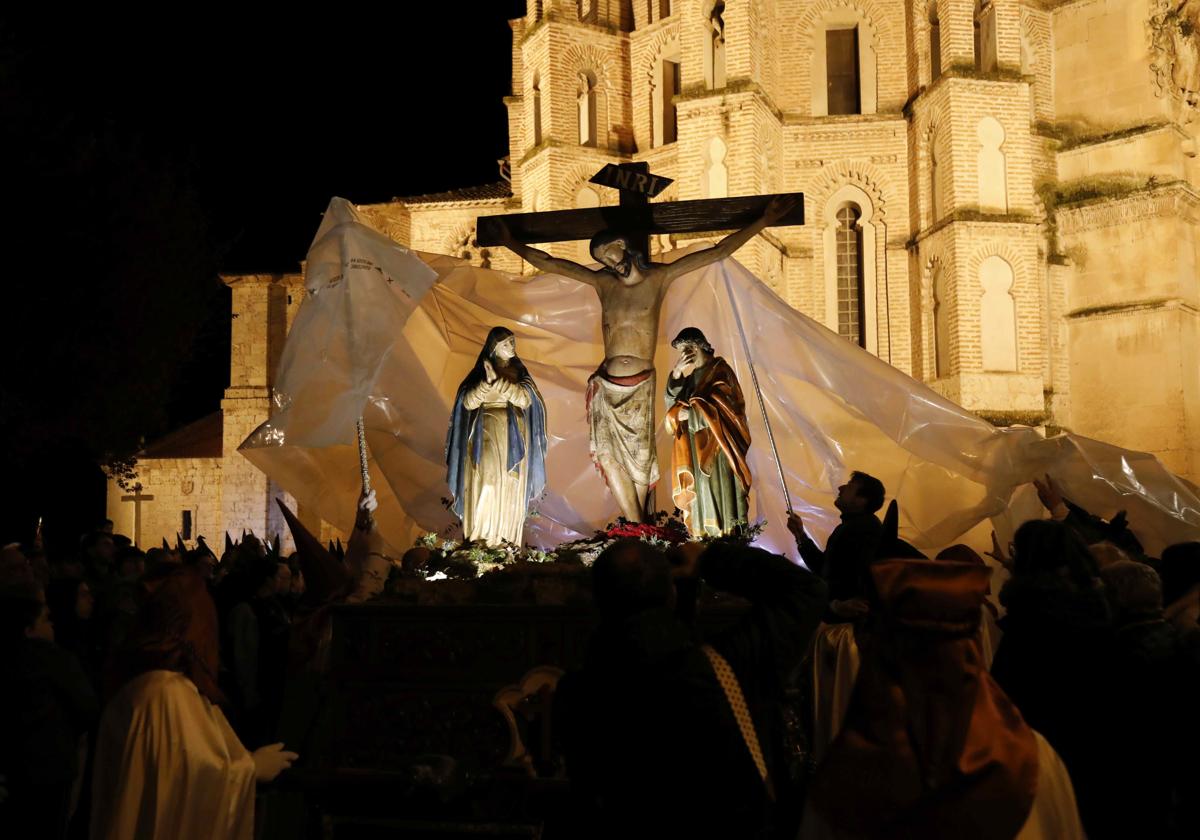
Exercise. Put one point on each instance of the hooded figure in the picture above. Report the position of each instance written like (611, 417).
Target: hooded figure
(931, 747)
(496, 445)
(167, 762)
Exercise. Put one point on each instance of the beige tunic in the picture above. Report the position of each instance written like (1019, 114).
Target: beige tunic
(494, 499)
(168, 765)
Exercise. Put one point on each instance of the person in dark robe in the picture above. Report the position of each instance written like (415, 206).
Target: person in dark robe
(931, 747)
(1055, 654)
(496, 444)
(853, 545)
(652, 744)
(707, 416)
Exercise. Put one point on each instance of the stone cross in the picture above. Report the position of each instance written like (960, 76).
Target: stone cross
(137, 498)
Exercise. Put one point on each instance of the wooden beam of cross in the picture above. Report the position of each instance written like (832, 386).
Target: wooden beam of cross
(635, 216)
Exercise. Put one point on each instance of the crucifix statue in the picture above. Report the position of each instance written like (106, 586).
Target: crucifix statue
(622, 392)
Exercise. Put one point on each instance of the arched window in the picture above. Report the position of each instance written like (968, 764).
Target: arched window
(585, 97)
(941, 325)
(935, 43)
(536, 96)
(850, 292)
(985, 36)
(714, 51)
(587, 10)
(851, 238)
(991, 168)
(998, 315)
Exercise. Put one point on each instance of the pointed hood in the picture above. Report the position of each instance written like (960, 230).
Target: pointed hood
(325, 578)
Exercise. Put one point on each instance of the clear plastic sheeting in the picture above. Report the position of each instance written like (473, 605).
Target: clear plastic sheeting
(391, 336)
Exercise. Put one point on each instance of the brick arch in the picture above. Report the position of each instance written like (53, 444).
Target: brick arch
(579, 58)
(835, 176)
(797, 60)
(655, 51)
(996, 249)
(579, 176)
(878, 23)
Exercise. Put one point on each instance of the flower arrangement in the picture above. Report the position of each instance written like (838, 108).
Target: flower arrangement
(445, 558)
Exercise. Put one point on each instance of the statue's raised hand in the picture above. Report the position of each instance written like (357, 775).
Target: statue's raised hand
(489, 372)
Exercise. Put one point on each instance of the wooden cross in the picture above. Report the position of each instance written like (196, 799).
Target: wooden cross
(137, 498)
(635, 217)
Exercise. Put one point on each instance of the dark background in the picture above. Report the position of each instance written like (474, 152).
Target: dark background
(141, 155)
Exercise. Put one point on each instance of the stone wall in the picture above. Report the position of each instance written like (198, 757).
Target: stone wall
(176, 485)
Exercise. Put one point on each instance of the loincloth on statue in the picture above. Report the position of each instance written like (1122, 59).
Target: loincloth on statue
(621, 423)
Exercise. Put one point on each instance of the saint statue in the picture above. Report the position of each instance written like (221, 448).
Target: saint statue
(707, 416)
(496, 446)
(621, 393)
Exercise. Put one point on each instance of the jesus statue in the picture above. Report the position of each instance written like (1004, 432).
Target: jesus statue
(622, 392)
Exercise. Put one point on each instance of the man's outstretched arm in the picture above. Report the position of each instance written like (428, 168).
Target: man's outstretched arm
(775, 210)
(547, 263)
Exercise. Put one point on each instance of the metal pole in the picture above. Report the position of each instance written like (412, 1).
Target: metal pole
(362, 456)
(762, 406)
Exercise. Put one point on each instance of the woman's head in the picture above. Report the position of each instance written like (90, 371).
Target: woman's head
(500, 349)
(500, 343)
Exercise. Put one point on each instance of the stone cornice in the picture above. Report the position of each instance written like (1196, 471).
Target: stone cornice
(839, 124)
(233, 280)
(1178, 198)
(1089, 313)
(700, 100)
(1012, 223)
(957, 75)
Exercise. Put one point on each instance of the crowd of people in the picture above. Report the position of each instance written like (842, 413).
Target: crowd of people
(143, 691)
(1081, 722)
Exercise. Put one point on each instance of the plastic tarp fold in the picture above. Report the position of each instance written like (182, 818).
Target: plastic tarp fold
(390, 334)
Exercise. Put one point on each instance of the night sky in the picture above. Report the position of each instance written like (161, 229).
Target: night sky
(143, 154)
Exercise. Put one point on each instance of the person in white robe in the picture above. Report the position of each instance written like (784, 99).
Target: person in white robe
(168, 764)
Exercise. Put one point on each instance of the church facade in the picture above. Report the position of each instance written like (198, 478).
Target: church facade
(1002, 200)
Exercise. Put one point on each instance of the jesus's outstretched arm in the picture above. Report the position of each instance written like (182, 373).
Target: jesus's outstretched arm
(547, 263)
(775, 210)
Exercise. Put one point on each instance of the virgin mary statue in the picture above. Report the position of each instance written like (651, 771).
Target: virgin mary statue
(496, 446)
